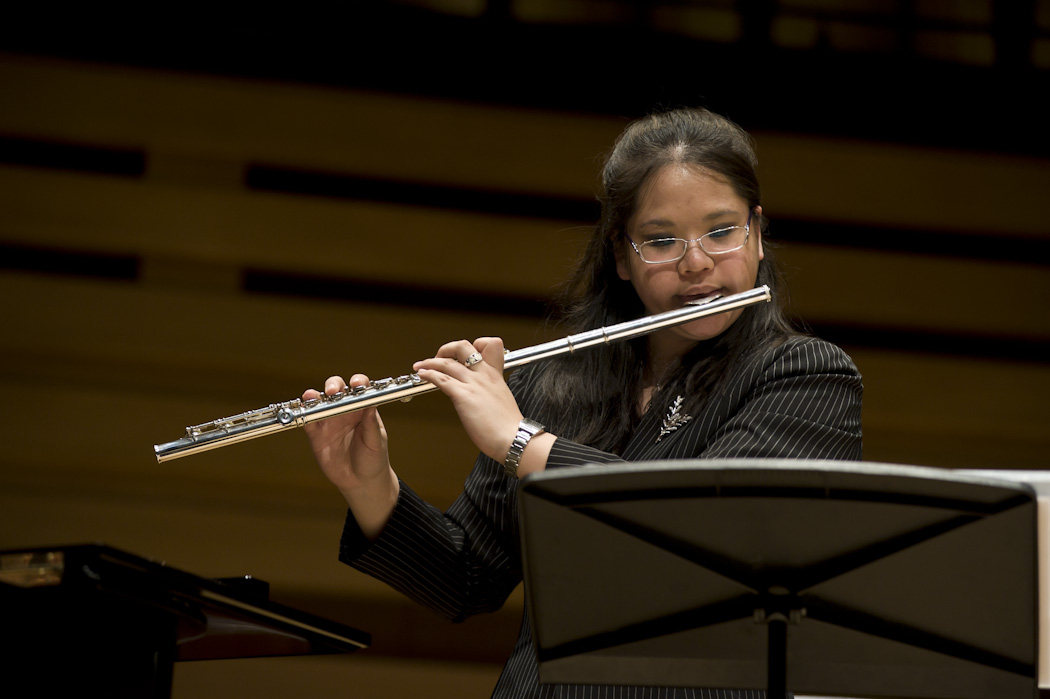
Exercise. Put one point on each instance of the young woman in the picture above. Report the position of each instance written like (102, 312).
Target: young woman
(681, 220)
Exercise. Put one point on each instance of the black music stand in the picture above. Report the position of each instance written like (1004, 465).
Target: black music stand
(818, 577)
(96, 621)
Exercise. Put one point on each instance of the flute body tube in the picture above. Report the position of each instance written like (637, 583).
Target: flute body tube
(290, 414)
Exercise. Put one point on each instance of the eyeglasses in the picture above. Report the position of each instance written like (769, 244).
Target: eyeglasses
(717, 242)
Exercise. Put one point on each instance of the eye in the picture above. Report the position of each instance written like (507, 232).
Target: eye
(661, 242)
(723, 232)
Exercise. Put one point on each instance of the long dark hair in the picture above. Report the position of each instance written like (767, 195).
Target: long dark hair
(592, 397)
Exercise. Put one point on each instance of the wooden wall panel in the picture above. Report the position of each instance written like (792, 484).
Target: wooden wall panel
(380, 135)
(904, 187)
(224, 121)
(190, 337)
(865, 288)
(478, 253)
(391, 243)
(953, 412)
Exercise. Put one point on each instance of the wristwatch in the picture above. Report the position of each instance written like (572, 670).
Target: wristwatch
(527, 429)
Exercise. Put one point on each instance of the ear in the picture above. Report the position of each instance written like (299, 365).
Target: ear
(623, 265)
(756, 226)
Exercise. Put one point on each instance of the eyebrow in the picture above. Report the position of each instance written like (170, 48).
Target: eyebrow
(722, 213)
(714, 215)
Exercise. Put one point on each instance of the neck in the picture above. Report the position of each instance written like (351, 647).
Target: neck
(662, 356)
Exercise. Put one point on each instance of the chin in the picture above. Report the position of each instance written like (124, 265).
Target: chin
(708, 328)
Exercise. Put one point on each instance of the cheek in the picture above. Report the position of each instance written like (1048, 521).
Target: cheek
(749, 264)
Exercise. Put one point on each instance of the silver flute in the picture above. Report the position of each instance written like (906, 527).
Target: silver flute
(297, 412)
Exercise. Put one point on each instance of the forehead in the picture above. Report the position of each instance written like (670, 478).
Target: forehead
(689, 191)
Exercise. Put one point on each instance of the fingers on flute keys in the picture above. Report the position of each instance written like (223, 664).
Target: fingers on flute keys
(333, 385)
(336, 384)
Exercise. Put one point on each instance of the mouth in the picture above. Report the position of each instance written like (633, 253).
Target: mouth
(700, 299)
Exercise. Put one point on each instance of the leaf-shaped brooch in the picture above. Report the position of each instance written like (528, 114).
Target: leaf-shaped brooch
(675, 418)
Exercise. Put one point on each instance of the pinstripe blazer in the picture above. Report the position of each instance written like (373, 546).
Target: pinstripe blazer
(800, 399)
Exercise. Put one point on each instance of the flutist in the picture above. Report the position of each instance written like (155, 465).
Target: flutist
(681, 220)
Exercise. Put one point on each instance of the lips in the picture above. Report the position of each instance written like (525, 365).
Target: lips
(699, 296)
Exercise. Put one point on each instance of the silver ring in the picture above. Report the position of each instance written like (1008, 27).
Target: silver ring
(473, 359)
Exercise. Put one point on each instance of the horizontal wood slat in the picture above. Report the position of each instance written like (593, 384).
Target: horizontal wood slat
(905, 187)
(386, 136)
(483, 254)
(917, 293)
(953, 412)
(492, 148)
(362, 240)
(181, 331)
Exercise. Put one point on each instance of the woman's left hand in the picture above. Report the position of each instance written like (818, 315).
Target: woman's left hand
(478, 392)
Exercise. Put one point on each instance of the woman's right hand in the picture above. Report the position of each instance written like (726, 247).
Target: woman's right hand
(351, 450)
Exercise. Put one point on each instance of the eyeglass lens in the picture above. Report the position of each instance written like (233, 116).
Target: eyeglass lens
(668, 249)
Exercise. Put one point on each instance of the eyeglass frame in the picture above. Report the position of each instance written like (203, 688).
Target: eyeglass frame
(700, 241)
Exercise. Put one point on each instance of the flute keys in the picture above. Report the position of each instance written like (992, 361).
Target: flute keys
(341, 394)
(374, 386)
(408, 380)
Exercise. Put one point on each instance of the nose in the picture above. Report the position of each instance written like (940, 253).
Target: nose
(696, 258)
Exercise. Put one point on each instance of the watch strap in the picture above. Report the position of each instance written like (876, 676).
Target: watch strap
(527, 429)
